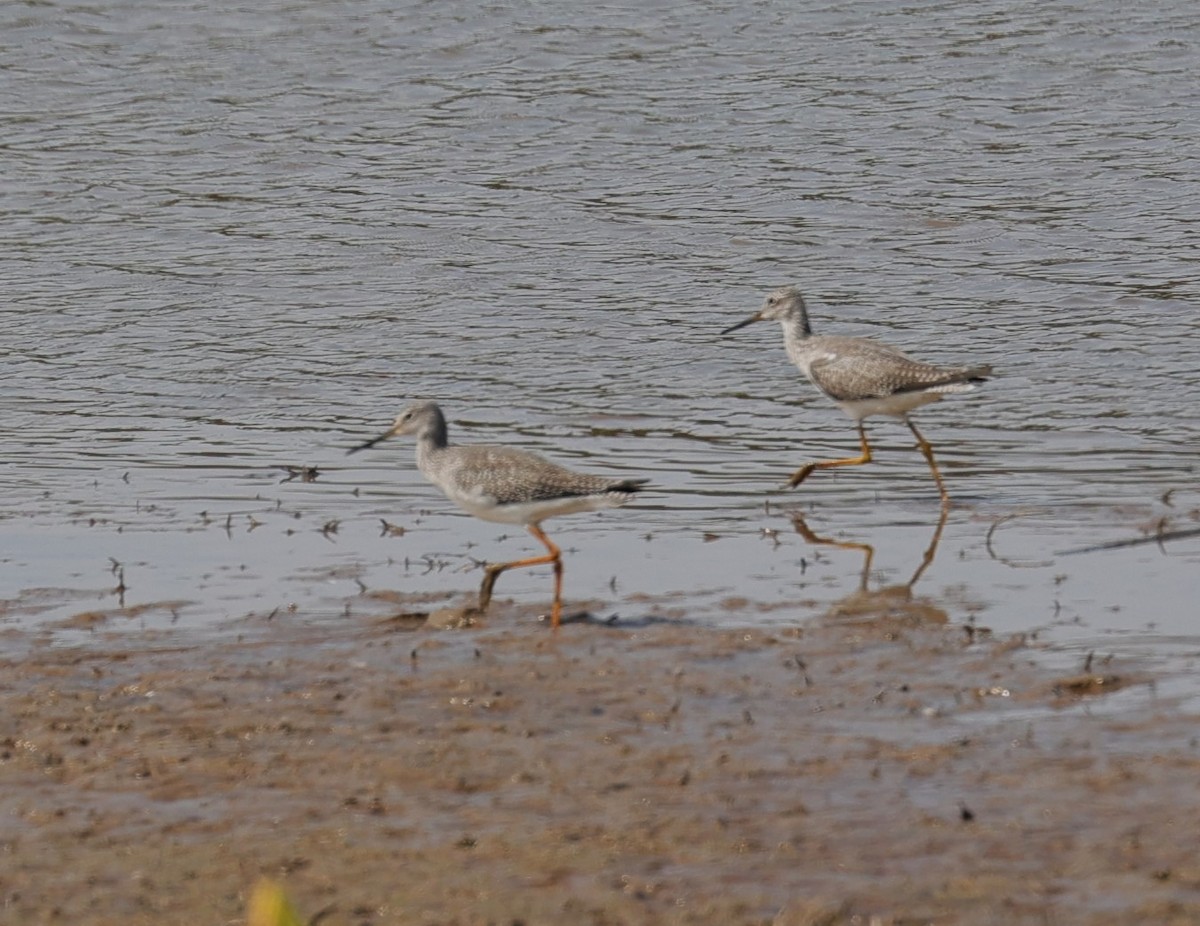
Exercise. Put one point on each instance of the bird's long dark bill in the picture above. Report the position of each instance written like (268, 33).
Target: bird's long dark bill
(742, 324)
(371, 443)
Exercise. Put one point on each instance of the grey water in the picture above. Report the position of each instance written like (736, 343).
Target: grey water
(239, 237)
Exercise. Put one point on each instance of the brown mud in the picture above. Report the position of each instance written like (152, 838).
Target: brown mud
(876, 764)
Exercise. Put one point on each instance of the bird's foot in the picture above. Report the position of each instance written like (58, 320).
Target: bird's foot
(578, 617)
(800, 475)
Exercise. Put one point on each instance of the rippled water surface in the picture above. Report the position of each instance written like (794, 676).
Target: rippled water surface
(238, 240)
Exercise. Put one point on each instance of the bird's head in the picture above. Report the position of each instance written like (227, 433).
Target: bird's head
(783, 304)
(419, 418)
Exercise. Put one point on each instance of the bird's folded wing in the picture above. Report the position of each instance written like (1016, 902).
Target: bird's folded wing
(875, 375)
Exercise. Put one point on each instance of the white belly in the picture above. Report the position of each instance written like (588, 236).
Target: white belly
(897, 405)
(532, 512)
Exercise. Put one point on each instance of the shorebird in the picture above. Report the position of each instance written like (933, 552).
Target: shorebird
(505, 485)
(862, 376)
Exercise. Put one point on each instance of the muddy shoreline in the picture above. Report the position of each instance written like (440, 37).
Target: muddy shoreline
(875, 764)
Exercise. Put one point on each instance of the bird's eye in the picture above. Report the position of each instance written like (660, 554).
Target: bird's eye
(771, 300)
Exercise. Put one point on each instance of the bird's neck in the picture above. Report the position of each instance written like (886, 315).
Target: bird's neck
(796, 330)
(432, 438)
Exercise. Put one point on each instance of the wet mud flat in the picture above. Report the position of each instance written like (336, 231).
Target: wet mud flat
(874, 764)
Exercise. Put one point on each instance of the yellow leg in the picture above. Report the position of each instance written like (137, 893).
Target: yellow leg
(927, 450)
(804, 471)
(554, 558)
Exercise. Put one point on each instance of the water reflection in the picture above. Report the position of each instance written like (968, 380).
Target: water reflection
(889, 601)
(215, 267)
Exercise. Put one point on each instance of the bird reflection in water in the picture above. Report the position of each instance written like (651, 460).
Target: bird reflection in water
(895, 602)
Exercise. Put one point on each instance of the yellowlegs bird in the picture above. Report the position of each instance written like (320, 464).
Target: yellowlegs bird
(862, 376)
(506, 485)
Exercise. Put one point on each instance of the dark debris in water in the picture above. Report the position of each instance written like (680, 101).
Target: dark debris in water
(303, 473)
(1088, 685)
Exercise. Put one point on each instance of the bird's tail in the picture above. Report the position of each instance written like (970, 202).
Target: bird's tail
(977, 374)
(963, 379)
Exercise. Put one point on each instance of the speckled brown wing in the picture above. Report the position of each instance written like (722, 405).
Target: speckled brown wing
(852, 369)
(512, 476)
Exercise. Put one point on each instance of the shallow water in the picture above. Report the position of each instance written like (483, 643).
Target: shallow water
(239, 240)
